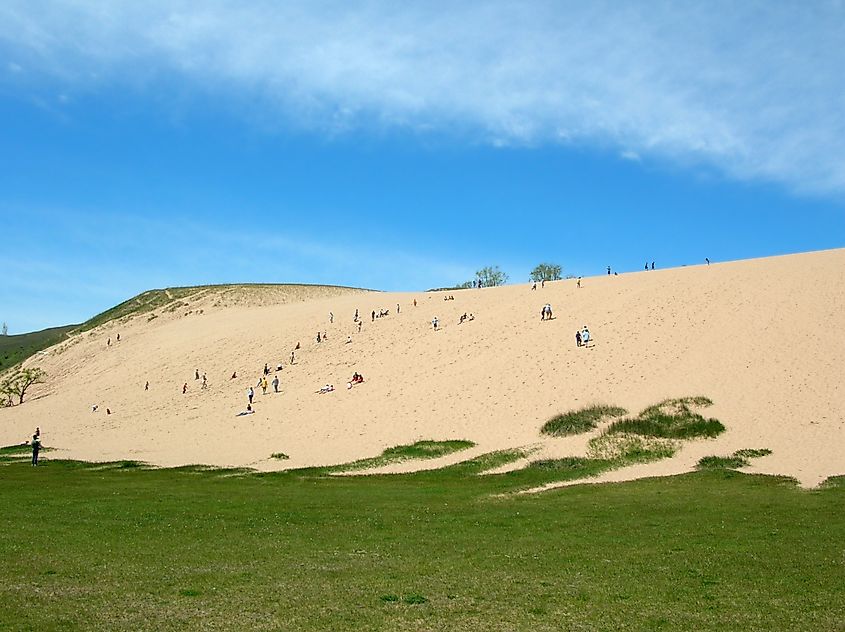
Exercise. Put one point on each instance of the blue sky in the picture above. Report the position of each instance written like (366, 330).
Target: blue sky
(172, 143)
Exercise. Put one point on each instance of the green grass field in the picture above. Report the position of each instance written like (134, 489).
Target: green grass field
(123, 547)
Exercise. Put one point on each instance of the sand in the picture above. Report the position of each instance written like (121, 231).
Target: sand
(762, 338)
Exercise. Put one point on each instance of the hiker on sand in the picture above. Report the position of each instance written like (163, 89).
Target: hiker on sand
(652, 265)
(373, 316)
(585, 335)
(359, 326)
(434, 323)
(579, 282)
(318, 337)
(184, 388)
(276, 383)
(234, 375)
(108, 342)
(415, 302)
(248, 411)
(250, 393)
(291, 357)
(147, 386)
(35, 444)
(264, 385)
(266, 369)
(608, 270)
(578, 338)
(118, 337)
(331, 317)
(534, 287)
(204, 381)
(707, 260)
(397, 308)
(196, 374)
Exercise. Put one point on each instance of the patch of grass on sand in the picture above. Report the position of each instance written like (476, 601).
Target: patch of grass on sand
(752, 453)
(435, 550)
(671, 419)
(578, 421)
(419, 450)
(727, 462)
(630, 448)
(736, 460)
(279, 455)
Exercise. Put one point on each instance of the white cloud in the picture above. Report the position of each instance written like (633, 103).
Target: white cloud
(754, 89)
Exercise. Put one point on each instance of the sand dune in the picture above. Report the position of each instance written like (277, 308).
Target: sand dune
(762, 338)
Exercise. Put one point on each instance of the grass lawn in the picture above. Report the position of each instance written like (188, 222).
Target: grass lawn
(128, 548)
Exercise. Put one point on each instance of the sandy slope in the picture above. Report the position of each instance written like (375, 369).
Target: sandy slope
(762, 338)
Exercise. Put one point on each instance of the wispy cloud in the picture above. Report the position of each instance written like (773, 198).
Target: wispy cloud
(753, 89)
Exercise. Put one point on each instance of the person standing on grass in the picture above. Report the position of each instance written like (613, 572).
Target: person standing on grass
(35, 444)
(276, 383)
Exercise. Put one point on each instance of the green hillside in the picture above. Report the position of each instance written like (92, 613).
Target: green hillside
(16, 349)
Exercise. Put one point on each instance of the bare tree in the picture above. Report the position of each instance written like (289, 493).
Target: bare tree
(19, 382)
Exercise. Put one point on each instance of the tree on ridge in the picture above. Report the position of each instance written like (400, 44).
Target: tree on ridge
(490, 276)
(546, 272)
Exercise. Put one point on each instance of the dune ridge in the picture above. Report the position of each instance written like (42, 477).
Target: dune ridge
(761, 338)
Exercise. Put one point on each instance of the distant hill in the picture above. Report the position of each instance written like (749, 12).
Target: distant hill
(17, 348)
